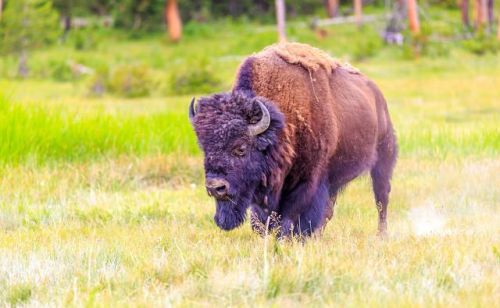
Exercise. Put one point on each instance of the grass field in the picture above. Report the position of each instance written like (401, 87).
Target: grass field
(102, 200)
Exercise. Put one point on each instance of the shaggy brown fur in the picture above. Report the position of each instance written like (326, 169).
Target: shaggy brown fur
(336, 125)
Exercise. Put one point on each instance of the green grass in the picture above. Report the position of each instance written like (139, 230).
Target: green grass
(32, 134)
(102, 200)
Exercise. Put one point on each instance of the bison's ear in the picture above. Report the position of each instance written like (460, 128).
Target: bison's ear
(252, 112)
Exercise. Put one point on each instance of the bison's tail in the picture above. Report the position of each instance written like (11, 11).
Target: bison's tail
(381, 174)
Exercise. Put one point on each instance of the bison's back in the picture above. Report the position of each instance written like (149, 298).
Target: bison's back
(299, 87)
(330, 108)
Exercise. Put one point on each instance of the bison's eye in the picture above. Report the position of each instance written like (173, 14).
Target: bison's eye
(239, 150)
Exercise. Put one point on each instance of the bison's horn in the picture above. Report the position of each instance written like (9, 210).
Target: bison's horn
(192, 113)
(263, 124)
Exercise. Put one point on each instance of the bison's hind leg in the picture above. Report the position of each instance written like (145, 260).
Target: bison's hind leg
(381, 176)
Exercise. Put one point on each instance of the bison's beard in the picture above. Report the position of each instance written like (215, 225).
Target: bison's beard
(230, 214)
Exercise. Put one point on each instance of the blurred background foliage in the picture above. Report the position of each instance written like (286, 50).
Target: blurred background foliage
(120, 47)
(149, 14)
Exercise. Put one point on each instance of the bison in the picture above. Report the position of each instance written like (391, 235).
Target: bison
(295, 129)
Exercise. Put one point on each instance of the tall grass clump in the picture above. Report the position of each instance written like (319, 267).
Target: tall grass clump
(131, 81)
(35, 135)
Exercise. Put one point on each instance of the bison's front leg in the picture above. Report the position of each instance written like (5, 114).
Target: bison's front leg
(303, 210)
(263, 220)
(258, 220)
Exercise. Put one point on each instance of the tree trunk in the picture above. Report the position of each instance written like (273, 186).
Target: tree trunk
(490, 8)
(67, 23)
(465, 13)
(413, 16)
(358, 11)
(68, 19)
(173, 20)
(22, 69)
(137, 21)
(332, 8)
(233, 8)
(67, 26)
(498, 29)
(1, 7)
(481, 13)
(280, 18)
(484, 11)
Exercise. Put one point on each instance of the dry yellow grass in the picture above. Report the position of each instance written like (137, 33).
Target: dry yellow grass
(107, 234)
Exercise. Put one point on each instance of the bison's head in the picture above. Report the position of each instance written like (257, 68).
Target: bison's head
(236, 132)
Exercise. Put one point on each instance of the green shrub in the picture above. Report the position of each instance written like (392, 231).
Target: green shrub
(84, 40)
(449, 4)
(416, 44)
(131, 81)
(58, 68)
(482, 44)
(98, 82)
(367, 46)
(60, 71)
(197, 77)
(438, 49)
(126, 81)
(431, 42)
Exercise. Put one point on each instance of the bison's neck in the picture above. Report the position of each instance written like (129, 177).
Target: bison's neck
(279, 160)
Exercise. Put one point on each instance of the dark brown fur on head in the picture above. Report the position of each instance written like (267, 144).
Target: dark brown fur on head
(232, 154)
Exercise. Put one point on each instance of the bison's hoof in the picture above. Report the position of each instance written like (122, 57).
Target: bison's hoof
(382, 231)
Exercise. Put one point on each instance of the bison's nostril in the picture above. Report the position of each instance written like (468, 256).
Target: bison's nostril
(221, 189)
(217, 187)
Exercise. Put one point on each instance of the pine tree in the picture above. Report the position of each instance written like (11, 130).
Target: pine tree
(25, 25)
